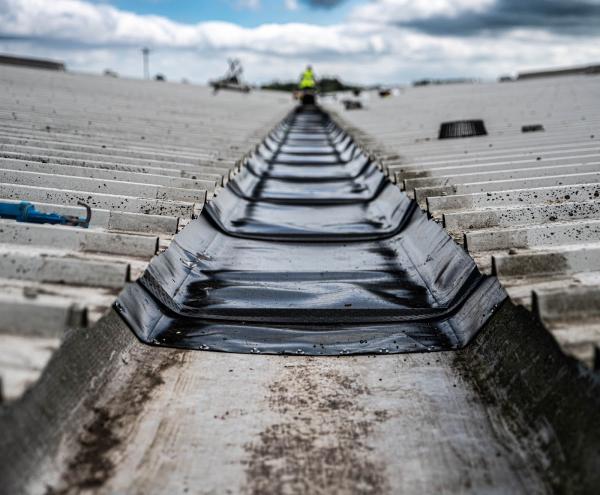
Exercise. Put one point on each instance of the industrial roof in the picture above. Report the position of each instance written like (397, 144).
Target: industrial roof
(523, 200)
(507, 414)
(144, 155)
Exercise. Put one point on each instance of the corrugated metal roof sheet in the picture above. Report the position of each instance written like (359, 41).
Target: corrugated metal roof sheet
(524, 204)
(144, 155)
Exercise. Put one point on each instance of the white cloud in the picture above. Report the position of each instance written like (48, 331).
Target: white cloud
(291, 4)
(363, 49)
(385, 11)
(88, 24)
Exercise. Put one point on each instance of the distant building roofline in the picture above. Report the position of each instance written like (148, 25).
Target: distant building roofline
(570, 71)
(37, 63)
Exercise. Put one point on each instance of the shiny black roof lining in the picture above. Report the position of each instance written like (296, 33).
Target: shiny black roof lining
(311, 255)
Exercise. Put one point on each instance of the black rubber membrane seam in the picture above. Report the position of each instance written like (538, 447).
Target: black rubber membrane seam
(310, 249)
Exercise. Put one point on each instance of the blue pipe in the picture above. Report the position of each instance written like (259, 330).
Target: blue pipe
(26, 212)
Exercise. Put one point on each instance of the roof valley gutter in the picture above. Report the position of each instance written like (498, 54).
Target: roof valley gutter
(311, 250)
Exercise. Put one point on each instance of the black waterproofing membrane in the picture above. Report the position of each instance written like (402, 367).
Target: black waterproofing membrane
(311, 250)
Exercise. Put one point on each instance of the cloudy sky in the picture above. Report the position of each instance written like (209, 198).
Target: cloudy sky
(363, 41)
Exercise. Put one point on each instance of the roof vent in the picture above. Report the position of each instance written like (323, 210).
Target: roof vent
(532, 128)
(462, 128)
(352, 104)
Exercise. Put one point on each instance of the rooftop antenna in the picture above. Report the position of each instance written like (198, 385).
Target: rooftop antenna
(145, 54)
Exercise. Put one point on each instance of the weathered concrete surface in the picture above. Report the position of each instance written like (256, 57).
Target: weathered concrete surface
(547, 400)
(25, 360)
(265, 424)
(170, 421)
(509, 414)
(144, 156)
(509, 190)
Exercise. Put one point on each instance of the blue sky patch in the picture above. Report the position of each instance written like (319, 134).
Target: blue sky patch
(247, 13)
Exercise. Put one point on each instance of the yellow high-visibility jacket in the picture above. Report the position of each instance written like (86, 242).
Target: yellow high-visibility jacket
(308, 80)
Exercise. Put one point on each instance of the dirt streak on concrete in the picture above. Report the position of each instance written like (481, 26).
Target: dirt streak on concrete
(321, 444)
(91, 463)
(205, 423)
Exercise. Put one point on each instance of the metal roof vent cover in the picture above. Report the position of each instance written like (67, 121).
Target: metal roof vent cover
(461, 129)
(532, 128)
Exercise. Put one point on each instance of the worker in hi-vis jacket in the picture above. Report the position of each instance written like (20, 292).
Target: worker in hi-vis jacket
(307, 81)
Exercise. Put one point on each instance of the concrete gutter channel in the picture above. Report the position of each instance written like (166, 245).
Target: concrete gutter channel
(509, 413)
